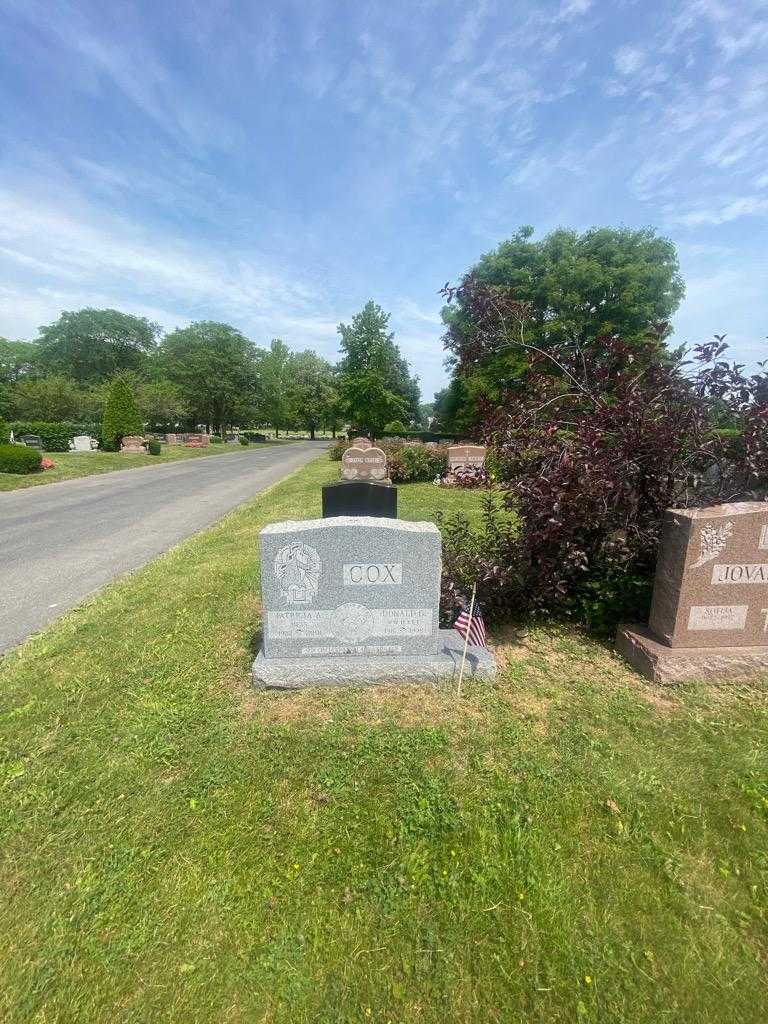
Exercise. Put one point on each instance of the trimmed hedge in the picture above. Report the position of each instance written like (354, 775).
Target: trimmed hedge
(55, 436)
(154, 447)
(17, 458)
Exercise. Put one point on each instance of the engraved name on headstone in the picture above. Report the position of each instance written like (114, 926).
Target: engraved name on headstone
(711, 586)
(336, 585)
(355, 599)
(466, 456)
(363, 464)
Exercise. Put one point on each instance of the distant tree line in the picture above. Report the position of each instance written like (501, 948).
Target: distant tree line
(207, 374)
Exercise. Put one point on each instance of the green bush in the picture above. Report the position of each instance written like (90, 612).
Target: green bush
(55, 436)
(244, 440)
(121, 417)
(415, 463)
(16, 458)
(5, 431)
(217, 439)
(396, 427)
(154, 447)
(337, 449)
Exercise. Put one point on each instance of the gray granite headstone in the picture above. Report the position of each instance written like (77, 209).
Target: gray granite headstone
(355, 599)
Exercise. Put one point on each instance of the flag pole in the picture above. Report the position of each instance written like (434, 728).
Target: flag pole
(466, 639)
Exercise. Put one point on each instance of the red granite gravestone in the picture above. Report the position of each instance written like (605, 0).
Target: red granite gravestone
(709, 612)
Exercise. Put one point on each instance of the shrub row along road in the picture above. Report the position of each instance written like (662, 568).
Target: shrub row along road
(63, 541)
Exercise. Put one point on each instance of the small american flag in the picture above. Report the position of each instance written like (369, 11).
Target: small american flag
(473, 632)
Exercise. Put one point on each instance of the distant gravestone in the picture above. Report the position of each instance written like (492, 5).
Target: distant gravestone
(354, 599)
(82, 443)
(709, 612)
(32, 441)
(132, 445)
(363, 464)
(466, 456)
(359, 498)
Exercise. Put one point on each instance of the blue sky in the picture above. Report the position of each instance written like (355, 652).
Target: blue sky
(276, 165)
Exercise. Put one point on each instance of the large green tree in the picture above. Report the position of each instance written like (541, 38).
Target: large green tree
(577, 287)
(274, 368)
(313, 388)
(94, 344)
(212, 365)
(372, 365)
(18, 359)
(47, 398)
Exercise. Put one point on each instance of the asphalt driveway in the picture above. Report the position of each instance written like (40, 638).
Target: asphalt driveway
(60, 542)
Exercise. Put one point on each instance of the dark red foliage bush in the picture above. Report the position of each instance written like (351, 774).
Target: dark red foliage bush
(593, 443)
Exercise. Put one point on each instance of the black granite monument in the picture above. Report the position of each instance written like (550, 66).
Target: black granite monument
(359, 498)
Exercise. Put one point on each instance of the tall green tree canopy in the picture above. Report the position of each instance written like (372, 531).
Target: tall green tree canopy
(275, 377)
(94, 344)
(578, 287)
(369, 351)
(314, 392)
(47, 398)
(17, 359)
(213, 367)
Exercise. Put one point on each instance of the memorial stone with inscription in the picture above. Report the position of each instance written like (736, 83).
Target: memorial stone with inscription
(132, 445)
(82, 443)
(363, 463)
(709, 612)
(355, 599)
(466, 456)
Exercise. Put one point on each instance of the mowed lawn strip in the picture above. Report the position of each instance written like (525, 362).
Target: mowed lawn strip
(70, 465)
(568, 844)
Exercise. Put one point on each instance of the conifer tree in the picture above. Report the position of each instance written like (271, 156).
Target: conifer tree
(121, 417)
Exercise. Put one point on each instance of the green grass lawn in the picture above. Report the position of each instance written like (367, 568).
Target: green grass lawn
(568, 844)
(70, 465)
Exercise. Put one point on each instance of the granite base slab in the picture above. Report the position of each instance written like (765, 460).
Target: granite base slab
(299, 673)
(670, 665)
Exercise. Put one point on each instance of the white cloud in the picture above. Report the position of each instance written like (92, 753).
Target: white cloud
(628, 59)
(745, 206)
(573, 8)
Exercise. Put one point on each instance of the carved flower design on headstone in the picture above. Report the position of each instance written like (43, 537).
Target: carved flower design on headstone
(712, 541)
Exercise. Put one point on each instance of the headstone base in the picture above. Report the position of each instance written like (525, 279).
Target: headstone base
(670, 665)
(299, 673)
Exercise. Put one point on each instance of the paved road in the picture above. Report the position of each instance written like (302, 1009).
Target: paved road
(60, 542)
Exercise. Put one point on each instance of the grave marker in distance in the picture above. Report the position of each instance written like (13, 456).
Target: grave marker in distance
(363, 464)
(466, 456)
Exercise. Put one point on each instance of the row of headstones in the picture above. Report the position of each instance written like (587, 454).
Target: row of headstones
(364, 461)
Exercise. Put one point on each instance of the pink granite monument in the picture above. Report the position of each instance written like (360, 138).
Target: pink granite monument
(709, 612)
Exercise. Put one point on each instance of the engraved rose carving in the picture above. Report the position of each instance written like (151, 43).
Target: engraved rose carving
(712, 541)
